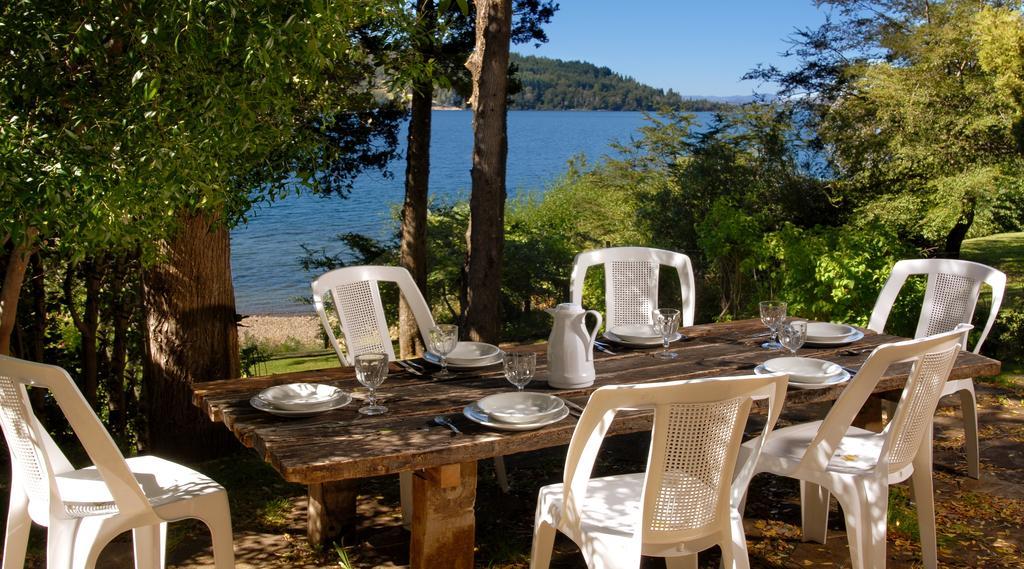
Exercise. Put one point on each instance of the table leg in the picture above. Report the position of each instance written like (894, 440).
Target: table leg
(870, 415)
(331, 511)
(443, 523)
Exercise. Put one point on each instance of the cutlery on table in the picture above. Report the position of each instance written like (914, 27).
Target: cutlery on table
(445, 421)
(573, 408)
(408, 367)
(602, 347)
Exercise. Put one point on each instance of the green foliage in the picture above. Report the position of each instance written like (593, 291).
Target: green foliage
(834, 273)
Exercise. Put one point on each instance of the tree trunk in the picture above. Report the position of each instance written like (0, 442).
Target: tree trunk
(955, 237)
(192, 337)
(486, 237)
(14, 276)
(87, 323)
(122, 305)
(413, 255)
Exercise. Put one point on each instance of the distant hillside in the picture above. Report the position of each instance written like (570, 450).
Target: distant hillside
(552, 84)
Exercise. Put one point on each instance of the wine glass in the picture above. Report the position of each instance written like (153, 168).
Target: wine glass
(371, 370)
(773, 314)
(443, 339)
(793, 335)
(519, 367)
(666, 322)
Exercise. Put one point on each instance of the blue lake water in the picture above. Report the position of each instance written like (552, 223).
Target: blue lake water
(265, 252)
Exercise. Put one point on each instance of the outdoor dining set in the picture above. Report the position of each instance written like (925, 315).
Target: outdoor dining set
(634, 366)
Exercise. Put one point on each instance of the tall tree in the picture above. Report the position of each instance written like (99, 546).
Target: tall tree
(442, 38)
(485, 238)
(413, 247)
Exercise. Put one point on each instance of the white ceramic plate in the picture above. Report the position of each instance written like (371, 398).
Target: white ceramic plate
(804, 370)
(828, 332)
(611, 336)
(857, 335)
(300, 396)
(469, 353)
(473, 413)
(436, 360)
(520, 406)
(264, 406)
(638, 333)
(835, 380)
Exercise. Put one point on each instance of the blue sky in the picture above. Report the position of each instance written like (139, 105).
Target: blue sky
(693, 47)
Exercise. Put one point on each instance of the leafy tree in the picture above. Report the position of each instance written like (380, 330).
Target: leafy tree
(146, 127)
(916, 132)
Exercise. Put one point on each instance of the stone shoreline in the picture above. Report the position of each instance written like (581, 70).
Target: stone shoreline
(277, 329)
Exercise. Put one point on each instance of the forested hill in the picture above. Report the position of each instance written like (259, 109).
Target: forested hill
(552, 84)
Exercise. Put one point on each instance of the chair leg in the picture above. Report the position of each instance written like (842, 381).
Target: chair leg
(734, 554)
(19, 524)
(866, 523)
(543, 545)
(405, 493)
(924, 498)
(222, 539)
(683, 562)
(60, 543)
(969, 410)
(149, 546)
(814, 501)
(499, 473)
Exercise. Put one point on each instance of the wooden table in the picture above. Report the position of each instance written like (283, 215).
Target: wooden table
(329, 452)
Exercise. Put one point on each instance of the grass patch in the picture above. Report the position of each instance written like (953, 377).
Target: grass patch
(902, 517)
(1005, 251)
(301, 363)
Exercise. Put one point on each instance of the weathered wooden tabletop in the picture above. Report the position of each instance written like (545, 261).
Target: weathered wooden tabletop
(342, 444)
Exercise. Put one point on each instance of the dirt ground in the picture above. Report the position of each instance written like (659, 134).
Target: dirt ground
(981, 522)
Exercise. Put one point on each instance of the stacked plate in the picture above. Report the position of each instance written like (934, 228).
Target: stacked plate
(517, 410)
(469, 355)
(826, 334)
(637, 335)
(806, 373)
(300, 399)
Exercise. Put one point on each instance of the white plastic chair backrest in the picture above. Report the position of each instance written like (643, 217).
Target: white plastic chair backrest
(949, 299)
(36, 459)
(631, 282)
(356, 296)
(931, 359)
(690, 482)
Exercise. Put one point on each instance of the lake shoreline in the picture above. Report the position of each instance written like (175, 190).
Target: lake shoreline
(273, 330)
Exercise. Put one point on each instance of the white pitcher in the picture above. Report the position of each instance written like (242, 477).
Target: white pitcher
(571, 347)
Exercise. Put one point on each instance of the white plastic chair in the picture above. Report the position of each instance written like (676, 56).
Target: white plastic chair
(356, 296)
(687, 499)
(833, 457)
(631, 282)
(84, 509)
(949, 299)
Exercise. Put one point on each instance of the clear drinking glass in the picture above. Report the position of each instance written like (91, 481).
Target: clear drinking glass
(443, 340)
(793, 335)
(773, 314)
(519, 367)
(666, 322)
(371, 370)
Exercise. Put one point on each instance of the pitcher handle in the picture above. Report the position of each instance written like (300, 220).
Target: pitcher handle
(593, 333)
